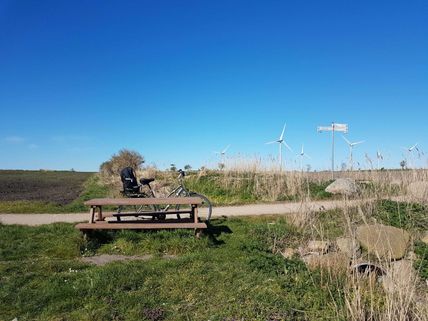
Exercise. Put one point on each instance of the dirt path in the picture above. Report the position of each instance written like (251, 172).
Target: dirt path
(244, 210)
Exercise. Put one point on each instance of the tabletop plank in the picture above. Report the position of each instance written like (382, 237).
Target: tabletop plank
(144, 201)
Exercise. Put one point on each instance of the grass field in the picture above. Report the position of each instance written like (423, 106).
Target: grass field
(235, 272)
(231, 275)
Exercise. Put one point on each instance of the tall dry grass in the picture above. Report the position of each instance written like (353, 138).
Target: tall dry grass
(264, 181)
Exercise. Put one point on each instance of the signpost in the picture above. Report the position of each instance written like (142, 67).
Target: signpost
(343, 128)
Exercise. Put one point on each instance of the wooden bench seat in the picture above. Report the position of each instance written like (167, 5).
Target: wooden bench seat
(139, 226)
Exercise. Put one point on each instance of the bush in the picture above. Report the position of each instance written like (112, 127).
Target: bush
(421, 249)
(124, 158)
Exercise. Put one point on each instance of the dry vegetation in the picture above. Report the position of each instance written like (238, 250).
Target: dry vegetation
(249, 182)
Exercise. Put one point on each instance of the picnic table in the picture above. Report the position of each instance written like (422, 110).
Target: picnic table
(132, 220)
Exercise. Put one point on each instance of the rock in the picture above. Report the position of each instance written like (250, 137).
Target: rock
(418, 191)
(400, 277)
(321, 247)
(424, 238)
(386, 242)
(289, 252)
(349, 246)
(336, 262)
(343, 186)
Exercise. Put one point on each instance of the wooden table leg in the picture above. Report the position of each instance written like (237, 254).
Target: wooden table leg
(92, 214)
(100, 213)
(195, 213)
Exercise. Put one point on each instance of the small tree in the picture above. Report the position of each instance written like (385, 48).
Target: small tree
(221, 166)
(187, 167)
(172, 168)
(403, 164)
(124, 158)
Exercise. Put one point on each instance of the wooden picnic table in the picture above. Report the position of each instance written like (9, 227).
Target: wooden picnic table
(97, 219)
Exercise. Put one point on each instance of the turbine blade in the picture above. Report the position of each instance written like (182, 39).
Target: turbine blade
(283, 131)
(288, 147)
(346, 140)
(358, 143)
(413, 147)
(225, 150)
(271, 142)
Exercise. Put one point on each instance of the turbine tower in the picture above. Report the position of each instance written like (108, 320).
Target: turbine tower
(351, 149)
(379, 157)
(281, 141)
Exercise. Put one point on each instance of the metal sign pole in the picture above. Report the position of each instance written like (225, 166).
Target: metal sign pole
(332, 154)
(344, 128)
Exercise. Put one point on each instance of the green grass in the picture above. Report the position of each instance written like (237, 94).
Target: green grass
(218, 193)
(403, 215)
(91, 188)
(243, 189)
(317, 190)
(421, 264)
(233, 273)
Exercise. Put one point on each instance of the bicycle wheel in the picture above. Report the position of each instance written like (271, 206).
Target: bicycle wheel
(206, 205)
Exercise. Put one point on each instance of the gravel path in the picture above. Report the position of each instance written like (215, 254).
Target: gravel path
(244, 210)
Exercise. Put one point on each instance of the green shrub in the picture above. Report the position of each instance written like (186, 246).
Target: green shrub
(421, 264)
(403, 215)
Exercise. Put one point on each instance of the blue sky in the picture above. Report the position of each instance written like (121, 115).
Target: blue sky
(176, 80)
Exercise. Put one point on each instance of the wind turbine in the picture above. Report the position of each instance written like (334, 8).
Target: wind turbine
(281, 141)
(379, 157)
(302, 155)
(222, 154)
(369, 160)
(410, 151)
(351, 149)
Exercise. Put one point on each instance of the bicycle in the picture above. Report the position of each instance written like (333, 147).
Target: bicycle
(179, 191)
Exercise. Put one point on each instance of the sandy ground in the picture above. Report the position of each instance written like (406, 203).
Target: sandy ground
(104, 259)
(244, 210)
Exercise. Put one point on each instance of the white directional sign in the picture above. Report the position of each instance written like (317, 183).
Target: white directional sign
(343, 128)
(325, 129)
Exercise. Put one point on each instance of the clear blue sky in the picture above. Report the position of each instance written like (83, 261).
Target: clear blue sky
(176, 80)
